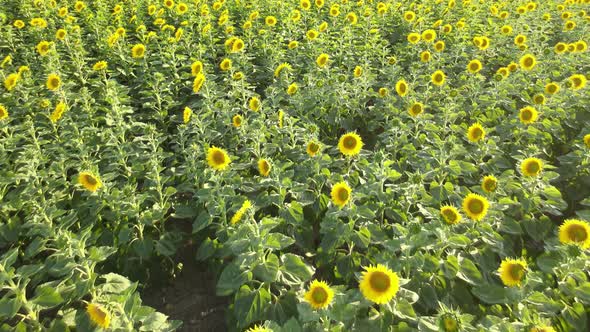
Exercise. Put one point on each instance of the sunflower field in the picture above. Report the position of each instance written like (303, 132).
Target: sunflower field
(338, 165)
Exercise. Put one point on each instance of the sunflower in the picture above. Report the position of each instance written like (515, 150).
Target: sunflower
(100, 65)
(292, 89)
(264, 167)
(60, 108)
(319, 295)
(281, 117)
(237, 120)
(520, 40)
(475, 206)
(531, 167)
(313, 148)
(198, 82)
(450, 214)
(474, 66)
(186, 115)
(449, 322)
(577, 81)
(379, 284)
(79, 6)
(60, 34)
(350, 144)
(43, 47)
(358, 71)
(293, 44)
(225, 64)
(439, 46)
(89, 181)
(560, 48)
(98, 315)
(506, 30)
(258, 328)
(476, 132)
(528, 115)
(528, 62)
(542, 328)
(10, 81)
(196, 68)
(425, 56)
(138, 51)
(283, 66)
(270, 21)
(551, 88)
(352, 18)
(489, 183)
(414, 37)
(254, 104)
(217, 158)
(240, 213)
(237, 45)
(19, 24)
(416, 109)
(409, 16)
(312, 34)
(438, 78)
(322, 60)
(581, 46)
(401, 87)
(539, 99)
(340, 194)
(383, 92)
(512, 271)
(53, 82)
(576, 232)
(587, 140)
(3, 112)
(429, 35)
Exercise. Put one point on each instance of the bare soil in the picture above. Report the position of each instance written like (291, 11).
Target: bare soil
(190, 297)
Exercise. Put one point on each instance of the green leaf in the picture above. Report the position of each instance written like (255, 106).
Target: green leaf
(115, 283)
(231, 279)
(294, 213)
(269, 270)
(404, 310)
(294, 269)
(583, 293)
(202, 221)
(9, 307)
(469, 272)
(458, 241)
(277, 241)
(250, 307)
(47, 297)
(491, 294)
(206, 249)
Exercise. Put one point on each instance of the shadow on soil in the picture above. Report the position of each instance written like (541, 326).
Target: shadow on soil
(190, 297)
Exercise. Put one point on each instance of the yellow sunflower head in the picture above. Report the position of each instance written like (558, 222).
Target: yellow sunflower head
(551, 88)
(512, 271)
(438, 78)
(587, 140)
(186, 115)
(527, 62)
(358, 71)
(450, 214)
(474, 66)
(313, 148)
(198, 82)
(3, 112)
(531, 167)
(138, 51)
(413, 37)
(43, 47)
(425, 56)
(319, 295)
(322, 60)
(539, 99)
(401, 87)
(476, 132)
(89, 181)
(475, 206)
(237, 120)
(341, 194)
(254, 104)
(449, 322)
(53, 82)
(292, 89)
(350, 144)
(225, 64)
(100, 65)
(416, 109)
(542, 328)
(98, 315)
(577, 81)
(264, 167)
(379, 284)
(576, 232)
(259, 328)
(217, 158)
(196, 68)
(439, 46)
(489, 183)
(528, 115)
(429, 35)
